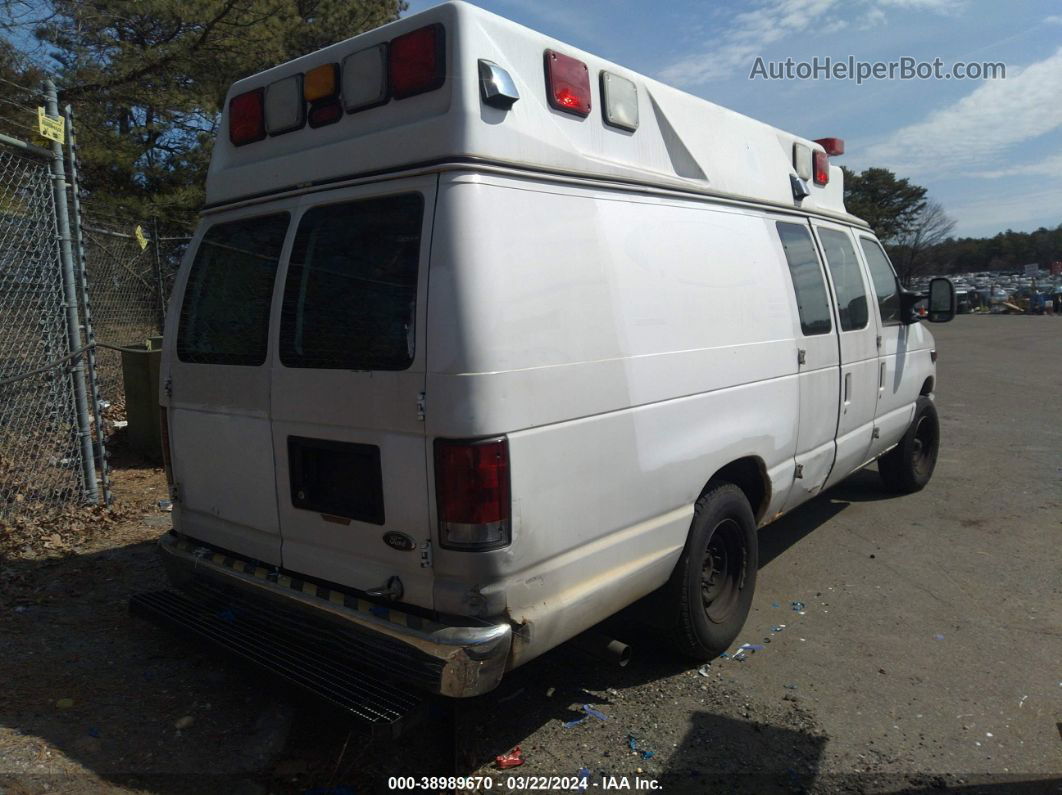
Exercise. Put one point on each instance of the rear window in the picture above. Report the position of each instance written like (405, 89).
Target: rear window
(225, 312)
(847, 279)
(351, 295)
(804, 268)
(884, 279)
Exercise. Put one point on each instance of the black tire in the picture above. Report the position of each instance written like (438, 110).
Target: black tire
(908, 467)
(710, 591)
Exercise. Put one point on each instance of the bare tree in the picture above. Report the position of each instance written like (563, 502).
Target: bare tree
(929, 227)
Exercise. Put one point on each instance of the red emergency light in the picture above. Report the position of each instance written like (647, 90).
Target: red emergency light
(567, 84)
(833, 146)
(247, 117)
(416, 62)
(820, 167)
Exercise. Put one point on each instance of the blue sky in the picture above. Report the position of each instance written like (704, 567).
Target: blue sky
(989, 150)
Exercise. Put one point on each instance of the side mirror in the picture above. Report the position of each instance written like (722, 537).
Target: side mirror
(941, 300)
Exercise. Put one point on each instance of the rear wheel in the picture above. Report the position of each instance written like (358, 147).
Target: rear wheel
(908, 467)
(710, 591)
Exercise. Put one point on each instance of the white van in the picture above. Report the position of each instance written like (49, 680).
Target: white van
(483, 338)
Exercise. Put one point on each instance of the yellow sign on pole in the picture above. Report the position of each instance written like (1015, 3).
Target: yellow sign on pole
(51, 127)
(141, 238)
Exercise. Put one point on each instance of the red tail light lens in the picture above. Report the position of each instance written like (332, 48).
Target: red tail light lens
(167, 461)
(472, 490)
(567, 84)
(821, 168)
(416, 62)
(328, 111)
(247, 117)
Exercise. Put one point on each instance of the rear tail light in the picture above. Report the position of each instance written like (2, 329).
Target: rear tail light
(247, 117)
(567, 84)
(416, 62)
(933, 356)
(164, 429)
(821, 167)
(472, 491)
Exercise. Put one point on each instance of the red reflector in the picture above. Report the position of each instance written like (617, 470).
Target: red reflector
(164, 429)
(472, 481)
(247, 117)
(567, 84)
(833, 146)
(416, 62)
(820, 167)
(327, 112)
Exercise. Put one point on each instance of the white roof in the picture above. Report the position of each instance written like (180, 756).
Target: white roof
(682, 142)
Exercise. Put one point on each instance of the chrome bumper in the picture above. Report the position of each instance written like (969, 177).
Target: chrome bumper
(448, 659)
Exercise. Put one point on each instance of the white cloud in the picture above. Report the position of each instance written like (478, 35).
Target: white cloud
(975, 131)
(1048, 167)
(1054, 19)
(745, 37)
(749, 33)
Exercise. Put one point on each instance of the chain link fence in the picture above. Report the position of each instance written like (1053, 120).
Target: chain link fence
(40, 454)
(77, 284)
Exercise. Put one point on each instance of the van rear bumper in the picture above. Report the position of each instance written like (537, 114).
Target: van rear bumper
(448, 659)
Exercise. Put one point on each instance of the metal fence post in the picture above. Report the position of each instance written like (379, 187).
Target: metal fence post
(86, 306)
(73, 322)
(158, 273)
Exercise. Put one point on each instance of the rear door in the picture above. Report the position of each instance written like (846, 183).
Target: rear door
(347, 384)
(216, 379)
(817, 356)
(858, 339)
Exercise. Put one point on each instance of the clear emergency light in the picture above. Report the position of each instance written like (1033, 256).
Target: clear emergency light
(364, 78)
(619, 99)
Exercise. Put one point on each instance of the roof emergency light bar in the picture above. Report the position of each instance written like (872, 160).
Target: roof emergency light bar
(411, 64)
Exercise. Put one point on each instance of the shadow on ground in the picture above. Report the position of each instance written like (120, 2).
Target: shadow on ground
(126, 704)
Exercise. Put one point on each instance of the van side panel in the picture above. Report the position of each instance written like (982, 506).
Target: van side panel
(630, 347)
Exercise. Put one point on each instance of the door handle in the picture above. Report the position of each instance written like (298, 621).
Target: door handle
(848, 387)
(881, 376)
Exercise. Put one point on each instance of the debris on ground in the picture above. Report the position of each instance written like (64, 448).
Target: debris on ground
(705, 670)
(632, 743)
(593, 713)
(184, 723)
(64, 703)
(514, 758)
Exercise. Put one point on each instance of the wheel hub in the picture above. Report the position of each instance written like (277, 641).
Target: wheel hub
(723, 571)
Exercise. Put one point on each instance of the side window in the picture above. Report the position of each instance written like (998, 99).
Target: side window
(884, 279)
(847, 277)
(812, 303)
(225, 312)
(351, 295)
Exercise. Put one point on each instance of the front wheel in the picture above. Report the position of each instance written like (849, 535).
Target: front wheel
(710, 591)
(908, 467)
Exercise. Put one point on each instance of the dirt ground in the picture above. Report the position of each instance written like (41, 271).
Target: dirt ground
(927, 654)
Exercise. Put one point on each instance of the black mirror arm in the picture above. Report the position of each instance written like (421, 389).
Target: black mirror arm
(908, 299)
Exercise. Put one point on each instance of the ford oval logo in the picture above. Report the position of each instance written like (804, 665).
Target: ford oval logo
(399, 541)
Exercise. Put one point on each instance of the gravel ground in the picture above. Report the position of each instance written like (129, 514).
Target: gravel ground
(928, 654)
